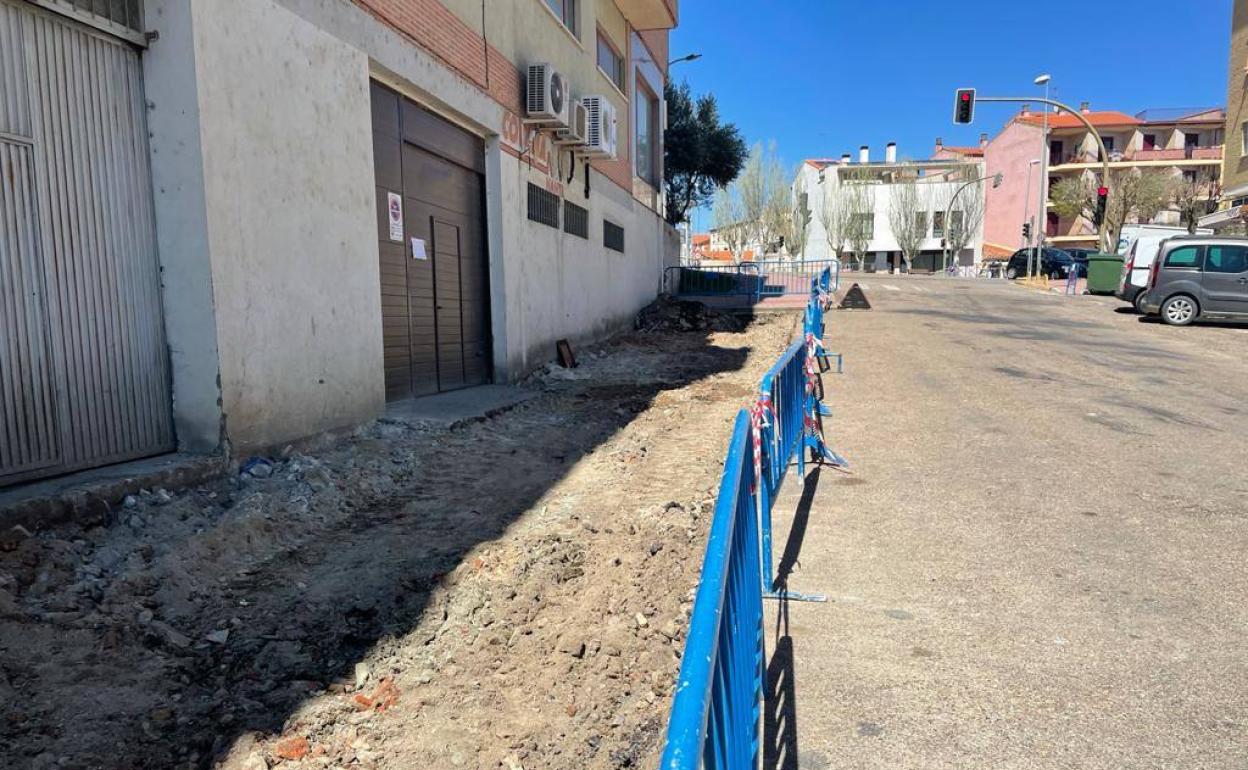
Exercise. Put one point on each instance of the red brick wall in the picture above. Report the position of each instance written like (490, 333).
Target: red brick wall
(436, 29)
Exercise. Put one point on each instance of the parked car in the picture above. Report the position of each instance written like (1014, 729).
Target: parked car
(1054, 263)
(1198, 277)
(1081, 259)
(1135, 268)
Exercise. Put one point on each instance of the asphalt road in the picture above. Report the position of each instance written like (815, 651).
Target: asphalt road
(1039, 558)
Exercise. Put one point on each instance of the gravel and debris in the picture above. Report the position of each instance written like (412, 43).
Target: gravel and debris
(510, 593)
(667, 314)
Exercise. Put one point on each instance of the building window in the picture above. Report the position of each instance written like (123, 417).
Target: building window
(612, 236)
(610, 61)
(1150, 142)
(543, 206)
(920, 222)
(565, 10)
(1243, 139)
(647, 134)
(1055, 151)
(865, 224)
(1191, 140)
(938, 224)
(955, 225)
(575, 220)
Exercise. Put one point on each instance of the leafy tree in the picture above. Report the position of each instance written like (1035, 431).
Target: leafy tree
(1133, 194)
(700, 153)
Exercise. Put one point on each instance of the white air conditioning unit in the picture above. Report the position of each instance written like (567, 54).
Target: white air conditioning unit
(547, 98)
(578, 126)
(600, 134)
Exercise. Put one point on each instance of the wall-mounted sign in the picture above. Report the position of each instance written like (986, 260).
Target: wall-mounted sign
(395, 207)
(418, 249)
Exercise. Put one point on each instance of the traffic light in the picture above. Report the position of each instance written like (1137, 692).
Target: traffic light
(1098, 216)
(1026, 231)
(964, 105)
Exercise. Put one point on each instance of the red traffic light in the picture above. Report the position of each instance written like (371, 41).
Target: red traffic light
(964, 105)
(1102, 191)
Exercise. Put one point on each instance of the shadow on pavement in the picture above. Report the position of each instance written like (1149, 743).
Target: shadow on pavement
(308, 570)
(797, 533)
(780, 748)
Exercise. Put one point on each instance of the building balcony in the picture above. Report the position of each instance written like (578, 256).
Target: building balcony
(649, 14)
(1175, 156)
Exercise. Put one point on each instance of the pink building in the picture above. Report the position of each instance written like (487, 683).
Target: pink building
(1185, 143)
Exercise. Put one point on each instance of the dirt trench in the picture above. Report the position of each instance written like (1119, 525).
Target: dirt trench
(508, 594)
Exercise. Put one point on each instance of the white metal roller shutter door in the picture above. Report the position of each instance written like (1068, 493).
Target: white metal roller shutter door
(83, 367)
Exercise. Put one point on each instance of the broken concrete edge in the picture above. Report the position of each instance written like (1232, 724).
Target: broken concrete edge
(88, 497)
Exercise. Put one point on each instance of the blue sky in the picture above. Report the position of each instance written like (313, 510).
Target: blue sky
(822, 77)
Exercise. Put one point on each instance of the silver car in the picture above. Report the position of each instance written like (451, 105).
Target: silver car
(1199, 277)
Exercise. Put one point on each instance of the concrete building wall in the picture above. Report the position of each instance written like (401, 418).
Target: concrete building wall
(262, 160)
(287, 137)
(1234, 161)
(1009, 205)
(182, 225)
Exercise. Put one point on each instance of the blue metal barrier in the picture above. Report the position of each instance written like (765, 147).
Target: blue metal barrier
(718, 700)
(752, 280)
(719, 695)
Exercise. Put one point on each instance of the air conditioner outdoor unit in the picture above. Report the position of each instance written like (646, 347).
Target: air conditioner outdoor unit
(600, 135)
(578, 126)
(547, 99)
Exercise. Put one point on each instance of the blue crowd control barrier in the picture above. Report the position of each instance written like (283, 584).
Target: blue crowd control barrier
(718, 700)
(719, 695)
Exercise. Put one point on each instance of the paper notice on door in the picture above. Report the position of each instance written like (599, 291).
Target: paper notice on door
(418, 249)
(396, 217)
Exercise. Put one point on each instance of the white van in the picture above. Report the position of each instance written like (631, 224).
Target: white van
(1135, 265)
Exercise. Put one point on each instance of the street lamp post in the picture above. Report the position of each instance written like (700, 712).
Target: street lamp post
(944, 258)
(1041, 213)
(1100, 143)
(1027, 210)
(687, 57)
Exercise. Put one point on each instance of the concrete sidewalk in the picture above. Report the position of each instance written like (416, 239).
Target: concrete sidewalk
(1038, 561)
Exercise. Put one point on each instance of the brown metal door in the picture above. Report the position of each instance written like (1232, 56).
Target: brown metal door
(434, 284)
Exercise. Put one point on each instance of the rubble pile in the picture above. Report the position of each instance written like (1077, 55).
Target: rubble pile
(508, 594)
(667, 314)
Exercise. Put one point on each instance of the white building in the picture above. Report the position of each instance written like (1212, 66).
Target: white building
(237, 223)
(936, 181)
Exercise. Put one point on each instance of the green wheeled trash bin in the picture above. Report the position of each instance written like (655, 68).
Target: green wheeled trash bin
(1104, 273)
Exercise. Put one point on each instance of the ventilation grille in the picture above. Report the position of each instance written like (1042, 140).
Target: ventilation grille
(575, 220)
(612, 236)
(537, 88)
(593, 120)
(124, 13)
(543, 206)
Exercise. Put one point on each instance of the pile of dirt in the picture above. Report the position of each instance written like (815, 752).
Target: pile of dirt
(509, 594)
(667, 314)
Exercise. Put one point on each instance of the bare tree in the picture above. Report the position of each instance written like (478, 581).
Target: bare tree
(765, 195)
(1196, 196)
(858, 212)
(792, 218)
(1133, 194)
(965, 219)
(727, 218)
(907, 216)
